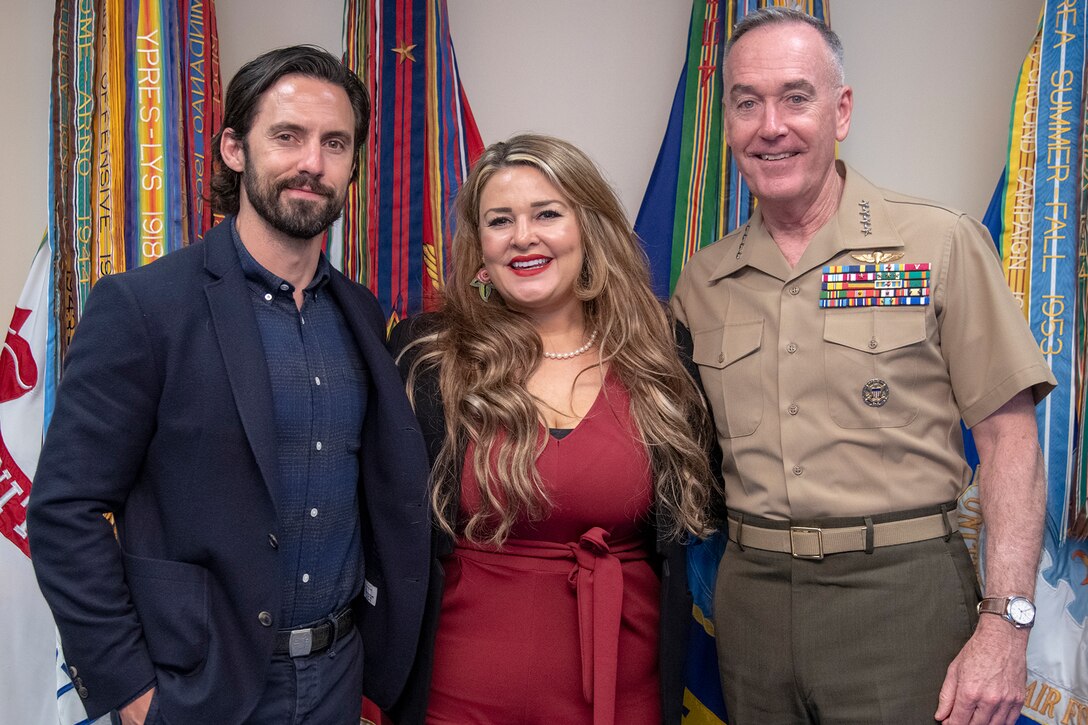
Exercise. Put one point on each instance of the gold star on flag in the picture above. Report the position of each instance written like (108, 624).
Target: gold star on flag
(405, 52)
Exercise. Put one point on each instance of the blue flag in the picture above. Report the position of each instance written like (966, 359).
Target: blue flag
(1034, 217)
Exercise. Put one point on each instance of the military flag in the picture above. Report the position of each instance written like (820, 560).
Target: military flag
(33, 685)
(1038, 220)
(134, 99)
(396, 231)
(694, 197)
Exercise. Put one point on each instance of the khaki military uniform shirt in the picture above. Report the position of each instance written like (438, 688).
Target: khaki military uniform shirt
(796, 390)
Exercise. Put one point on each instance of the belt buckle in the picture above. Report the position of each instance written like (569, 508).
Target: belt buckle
(807, 530)
(301, 642)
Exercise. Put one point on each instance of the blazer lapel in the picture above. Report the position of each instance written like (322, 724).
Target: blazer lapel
(242, 350)
(392, 428)
(371, 344)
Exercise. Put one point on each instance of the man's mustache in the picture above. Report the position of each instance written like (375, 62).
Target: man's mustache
(306, 183)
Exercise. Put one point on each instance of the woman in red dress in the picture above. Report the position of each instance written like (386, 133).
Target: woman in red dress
(569, 445)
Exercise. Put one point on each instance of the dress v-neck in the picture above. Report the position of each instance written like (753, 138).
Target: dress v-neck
(589, 413)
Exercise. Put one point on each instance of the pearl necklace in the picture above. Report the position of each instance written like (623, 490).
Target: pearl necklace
(573, 353)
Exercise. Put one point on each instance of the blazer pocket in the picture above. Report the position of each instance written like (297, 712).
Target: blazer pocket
(171, 600)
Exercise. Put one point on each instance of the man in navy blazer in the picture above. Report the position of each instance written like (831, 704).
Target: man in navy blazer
(234, 407)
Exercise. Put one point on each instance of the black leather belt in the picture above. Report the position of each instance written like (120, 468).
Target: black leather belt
(308, 640)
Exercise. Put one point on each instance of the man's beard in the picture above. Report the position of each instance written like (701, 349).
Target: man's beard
(296, 218)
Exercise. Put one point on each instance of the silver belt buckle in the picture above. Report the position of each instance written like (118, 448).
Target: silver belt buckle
(794, 530)
(301, 642)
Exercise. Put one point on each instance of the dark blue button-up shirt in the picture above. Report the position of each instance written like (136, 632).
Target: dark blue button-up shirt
(319, 386)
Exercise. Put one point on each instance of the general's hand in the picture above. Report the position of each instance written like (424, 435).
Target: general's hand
(986, 682)
(135, 712)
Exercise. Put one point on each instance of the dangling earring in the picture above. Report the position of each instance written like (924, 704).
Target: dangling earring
(482, 282)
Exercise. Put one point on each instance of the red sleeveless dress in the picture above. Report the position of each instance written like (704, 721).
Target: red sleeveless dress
(561, 624)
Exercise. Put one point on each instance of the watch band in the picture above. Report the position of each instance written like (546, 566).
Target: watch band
(1017, 610)
(993, 605)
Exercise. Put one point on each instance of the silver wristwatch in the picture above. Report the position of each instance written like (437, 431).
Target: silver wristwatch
(1020, 611)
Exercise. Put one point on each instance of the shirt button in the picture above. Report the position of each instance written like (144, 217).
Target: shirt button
(317, 381)
(797, 470)
(313, 513)
(795, 291)
(721, 357)
(273, 541)
(318, 446)
(793, 409)
(791, 348)
(268, 297)
(285, 287)
(305, 578)
(265, 619)
(873, 344)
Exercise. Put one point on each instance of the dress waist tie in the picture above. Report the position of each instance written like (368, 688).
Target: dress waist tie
(597, 580)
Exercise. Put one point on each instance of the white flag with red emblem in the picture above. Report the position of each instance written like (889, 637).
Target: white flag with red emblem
(33, 685)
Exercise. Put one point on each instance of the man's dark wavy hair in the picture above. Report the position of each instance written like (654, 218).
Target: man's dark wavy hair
(245, 91)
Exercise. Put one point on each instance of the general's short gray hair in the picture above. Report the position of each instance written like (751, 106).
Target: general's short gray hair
(783, 16)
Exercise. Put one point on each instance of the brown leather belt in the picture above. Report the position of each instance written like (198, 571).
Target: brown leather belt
(813, 542)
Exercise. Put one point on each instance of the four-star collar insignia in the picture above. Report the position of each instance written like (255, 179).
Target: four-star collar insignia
(865, 218)
(743, 240)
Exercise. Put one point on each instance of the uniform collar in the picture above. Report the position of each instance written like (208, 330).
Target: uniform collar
(862, 222)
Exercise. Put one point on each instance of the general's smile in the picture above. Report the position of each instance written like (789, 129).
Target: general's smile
(776, 157)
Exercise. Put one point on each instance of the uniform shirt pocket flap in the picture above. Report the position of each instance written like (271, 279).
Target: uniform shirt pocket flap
(723, 346)
(876, 331)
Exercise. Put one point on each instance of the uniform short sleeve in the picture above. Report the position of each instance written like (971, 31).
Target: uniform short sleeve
(985, 340)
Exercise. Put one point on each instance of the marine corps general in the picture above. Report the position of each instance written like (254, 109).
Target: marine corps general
(841, 336)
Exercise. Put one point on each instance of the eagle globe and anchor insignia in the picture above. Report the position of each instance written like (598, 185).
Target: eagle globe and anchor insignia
(875, 393)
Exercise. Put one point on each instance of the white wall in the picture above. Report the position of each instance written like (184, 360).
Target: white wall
(26, 35)
(933, 82)
(933, 85)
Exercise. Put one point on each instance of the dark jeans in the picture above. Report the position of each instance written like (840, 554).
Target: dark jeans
(323, 689)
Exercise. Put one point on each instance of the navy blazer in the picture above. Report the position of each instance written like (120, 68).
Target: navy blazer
(164, 417)
(671, 560)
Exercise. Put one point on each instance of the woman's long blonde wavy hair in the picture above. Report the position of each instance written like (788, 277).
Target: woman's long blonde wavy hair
(485, 353)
